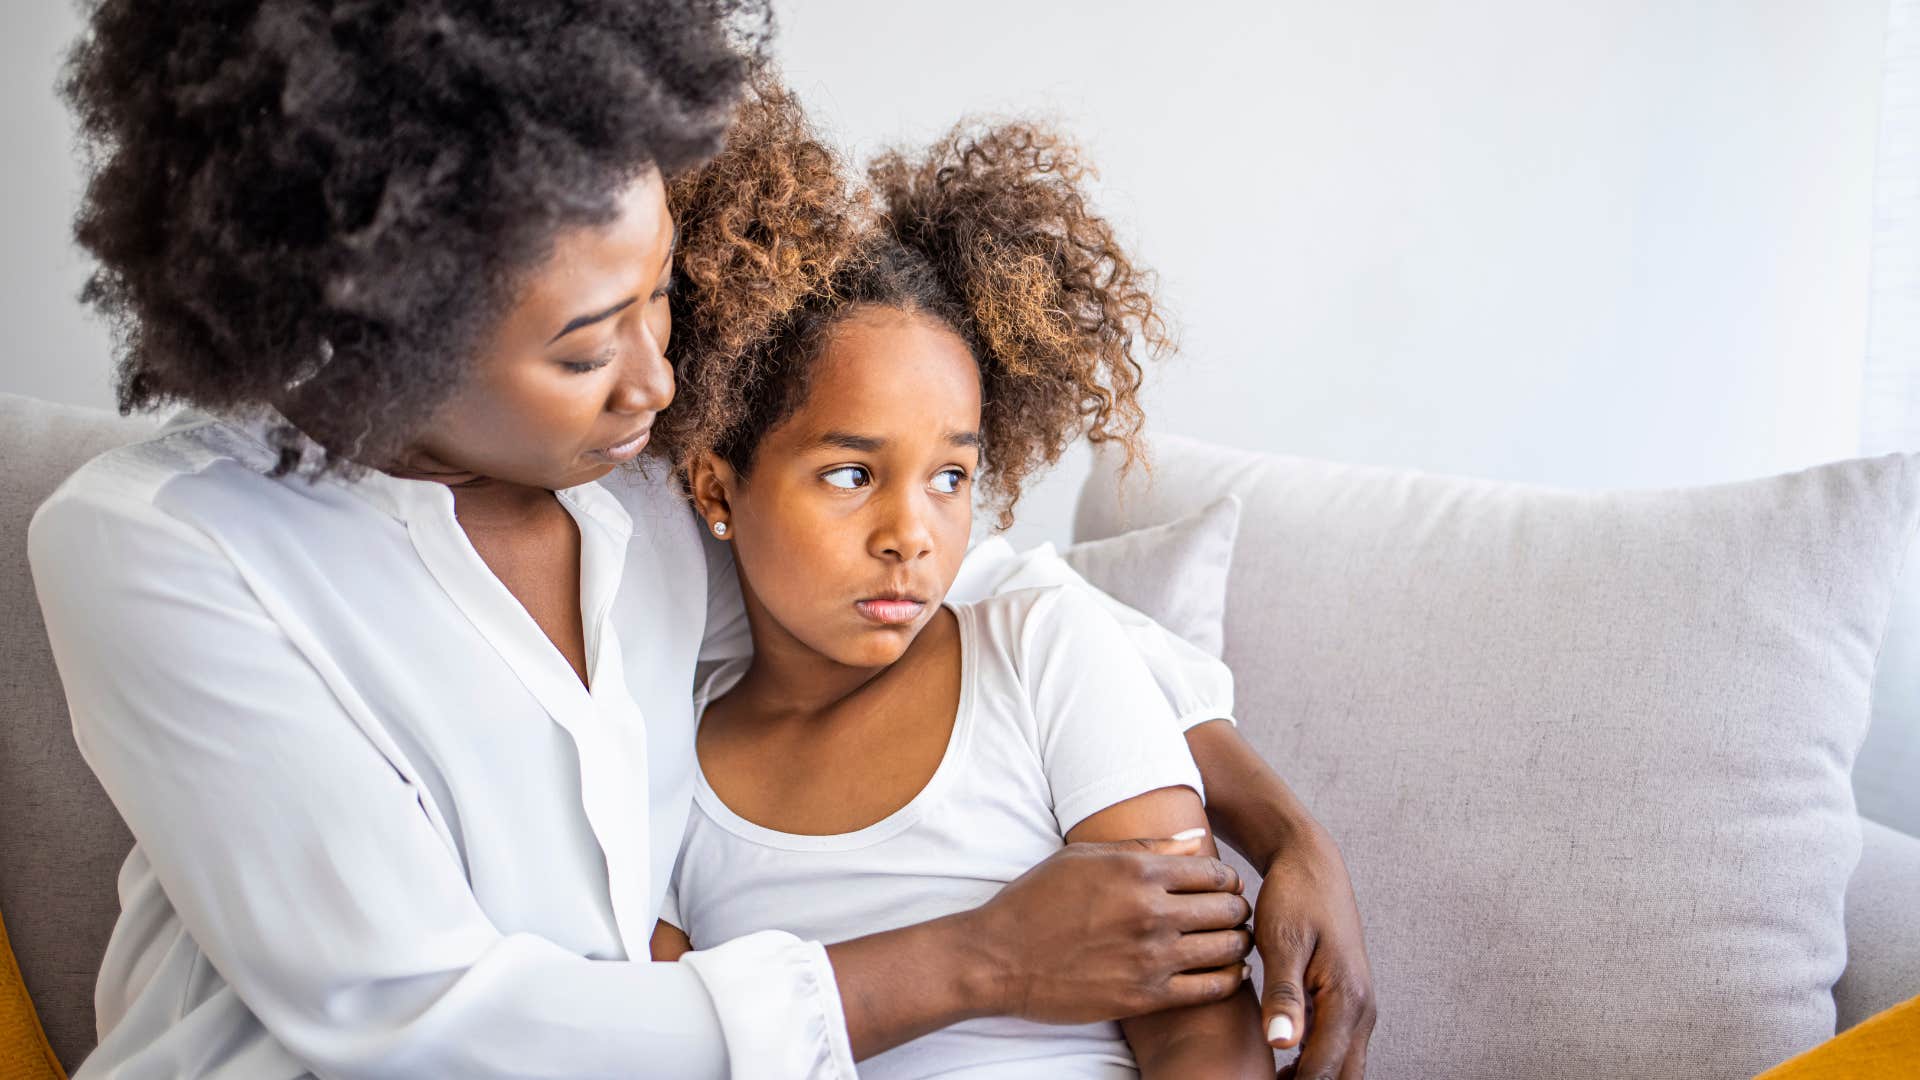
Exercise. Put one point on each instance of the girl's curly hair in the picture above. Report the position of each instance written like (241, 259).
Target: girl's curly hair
(988, 231)
(321, 206)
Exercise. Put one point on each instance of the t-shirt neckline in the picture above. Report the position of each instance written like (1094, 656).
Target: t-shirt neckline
(716, 809)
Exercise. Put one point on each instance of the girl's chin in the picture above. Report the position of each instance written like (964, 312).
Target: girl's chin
(876, 647)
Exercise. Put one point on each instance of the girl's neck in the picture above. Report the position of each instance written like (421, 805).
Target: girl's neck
(787, 679)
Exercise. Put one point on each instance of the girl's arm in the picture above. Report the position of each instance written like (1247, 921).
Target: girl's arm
(1220, 1039)
(669, 942)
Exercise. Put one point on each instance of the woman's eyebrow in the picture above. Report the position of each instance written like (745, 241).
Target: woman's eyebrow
(964, 438)
(589, 320)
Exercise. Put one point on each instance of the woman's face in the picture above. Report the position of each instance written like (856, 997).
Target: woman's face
(852, 525)
(569, 383)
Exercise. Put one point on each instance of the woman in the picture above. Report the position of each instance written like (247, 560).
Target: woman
(392, 693)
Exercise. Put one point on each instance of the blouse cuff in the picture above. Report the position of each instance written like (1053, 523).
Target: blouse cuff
(779, 1007)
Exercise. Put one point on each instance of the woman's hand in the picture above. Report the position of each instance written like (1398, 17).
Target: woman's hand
(1104, 931)
(1307, 928)
(1318, 991)
(1095, 932)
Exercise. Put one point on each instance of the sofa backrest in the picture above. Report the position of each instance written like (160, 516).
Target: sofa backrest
(61, 843)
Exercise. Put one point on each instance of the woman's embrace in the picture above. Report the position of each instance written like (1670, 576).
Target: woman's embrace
(390, 671)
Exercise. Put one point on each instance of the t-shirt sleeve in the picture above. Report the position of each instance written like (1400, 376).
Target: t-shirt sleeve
(1197, 686)
(1104, 731)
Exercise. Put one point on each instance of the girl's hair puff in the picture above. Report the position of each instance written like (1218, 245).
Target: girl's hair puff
(988, 231)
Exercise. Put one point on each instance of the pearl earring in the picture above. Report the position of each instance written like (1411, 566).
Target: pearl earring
(720, 529)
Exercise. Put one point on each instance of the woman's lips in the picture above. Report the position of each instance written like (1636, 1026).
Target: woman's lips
(626, 451)
(891, 612)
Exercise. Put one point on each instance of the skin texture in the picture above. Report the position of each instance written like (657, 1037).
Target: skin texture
(865, 491)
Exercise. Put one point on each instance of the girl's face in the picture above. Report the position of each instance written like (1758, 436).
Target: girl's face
(853, 523)
(569, 383)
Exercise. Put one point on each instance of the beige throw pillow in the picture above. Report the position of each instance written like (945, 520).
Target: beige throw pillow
(1587, 753)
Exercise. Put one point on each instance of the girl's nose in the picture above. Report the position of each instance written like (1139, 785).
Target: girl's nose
(904, 534)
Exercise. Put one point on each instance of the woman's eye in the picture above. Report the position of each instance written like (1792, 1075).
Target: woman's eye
(948, 481)
(664, 290)
(847, 477)
(592, 363)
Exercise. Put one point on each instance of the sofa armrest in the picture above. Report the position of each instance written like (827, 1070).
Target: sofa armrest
(1883, 926)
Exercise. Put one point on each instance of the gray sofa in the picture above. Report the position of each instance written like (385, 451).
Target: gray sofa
(61, 843)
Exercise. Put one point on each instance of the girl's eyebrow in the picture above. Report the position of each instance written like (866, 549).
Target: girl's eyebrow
(869, 444)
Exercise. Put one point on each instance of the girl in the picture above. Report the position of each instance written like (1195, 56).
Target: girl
(883, 757)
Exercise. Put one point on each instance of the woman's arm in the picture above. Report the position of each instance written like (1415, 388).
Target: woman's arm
(1307, 924)
(1217, 1039)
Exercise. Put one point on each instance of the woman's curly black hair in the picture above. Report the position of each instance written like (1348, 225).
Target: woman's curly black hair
(988, 231)
(321, 206)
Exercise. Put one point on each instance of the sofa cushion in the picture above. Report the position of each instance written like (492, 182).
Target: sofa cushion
(1587, 754)
(1176, 572)
(61, 843)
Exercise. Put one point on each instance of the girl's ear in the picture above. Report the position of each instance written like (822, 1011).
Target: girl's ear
(712, 482)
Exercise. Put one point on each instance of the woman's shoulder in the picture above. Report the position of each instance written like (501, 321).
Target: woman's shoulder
(122, 487)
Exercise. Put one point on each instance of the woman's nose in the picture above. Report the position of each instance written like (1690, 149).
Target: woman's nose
(646, 379)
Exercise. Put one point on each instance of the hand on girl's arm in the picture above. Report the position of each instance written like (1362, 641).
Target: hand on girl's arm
(1094, 932)
(1215, 1039)
(1307, 924)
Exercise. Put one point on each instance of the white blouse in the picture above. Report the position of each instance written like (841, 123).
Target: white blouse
(381, 828)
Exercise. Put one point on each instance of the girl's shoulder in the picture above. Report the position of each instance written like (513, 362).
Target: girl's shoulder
(1020, 631)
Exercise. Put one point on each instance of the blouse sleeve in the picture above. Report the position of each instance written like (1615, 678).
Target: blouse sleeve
(1103, 732)
(1198, 686)
(306, 867)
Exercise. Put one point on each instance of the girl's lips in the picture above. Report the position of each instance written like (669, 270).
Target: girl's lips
(626, 451)
(890, 612)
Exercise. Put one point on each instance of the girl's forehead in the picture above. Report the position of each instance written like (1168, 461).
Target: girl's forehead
(886, 365)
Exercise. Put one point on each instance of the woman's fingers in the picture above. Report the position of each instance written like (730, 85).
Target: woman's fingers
(1195, 913)
(1342, 1023)
(1283, 1005)
(1193, 874)
(1203, 987)
(1221, 949)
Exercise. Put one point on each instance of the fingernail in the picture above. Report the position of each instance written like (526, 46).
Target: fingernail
(1189, 834)
(1246, 972)
(1280, 1029)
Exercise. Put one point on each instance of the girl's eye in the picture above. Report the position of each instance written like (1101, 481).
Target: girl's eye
(847, 477)
(948, 481)
(663, 291)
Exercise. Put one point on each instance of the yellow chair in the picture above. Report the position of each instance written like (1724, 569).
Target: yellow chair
(1883, 1047)
(24, 1052)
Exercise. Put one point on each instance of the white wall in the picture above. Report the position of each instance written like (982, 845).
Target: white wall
(52, 347)
(1585, 242)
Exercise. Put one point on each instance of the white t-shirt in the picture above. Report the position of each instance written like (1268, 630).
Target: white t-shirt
(1058, 720)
